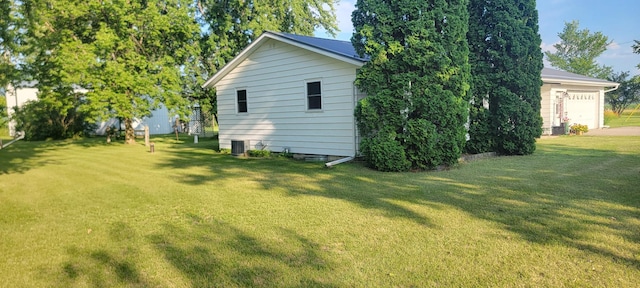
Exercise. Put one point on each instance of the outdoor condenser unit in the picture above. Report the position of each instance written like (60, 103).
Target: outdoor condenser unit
(239, 147)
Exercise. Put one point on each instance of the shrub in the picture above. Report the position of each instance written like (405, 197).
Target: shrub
(286, 154)
(580, 128)
(225, 151)
(259, 153)
(420, 144)
(385, 154)
(41, 120)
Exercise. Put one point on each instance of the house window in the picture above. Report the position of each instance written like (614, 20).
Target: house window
(241, 96)
(314, 95)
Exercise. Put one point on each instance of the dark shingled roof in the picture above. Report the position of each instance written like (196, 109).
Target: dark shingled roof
(339, 47)
(563, 75)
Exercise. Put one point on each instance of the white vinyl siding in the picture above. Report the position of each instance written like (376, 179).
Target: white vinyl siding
(276, 74)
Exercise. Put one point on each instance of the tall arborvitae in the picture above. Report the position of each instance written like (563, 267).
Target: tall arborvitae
(480, 136)
(416, 82)
(506, 62)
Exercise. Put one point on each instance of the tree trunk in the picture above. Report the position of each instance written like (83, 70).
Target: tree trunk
(129, 134)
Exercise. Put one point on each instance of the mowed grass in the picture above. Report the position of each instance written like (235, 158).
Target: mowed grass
(89, 214)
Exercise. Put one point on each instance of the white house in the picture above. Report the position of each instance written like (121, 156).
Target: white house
(289, 92)
(577, 98)
(297, 93)
(160, 121)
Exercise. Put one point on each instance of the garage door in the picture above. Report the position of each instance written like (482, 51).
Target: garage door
(582, 108)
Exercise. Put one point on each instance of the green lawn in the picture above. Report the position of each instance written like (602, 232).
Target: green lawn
(87, 214)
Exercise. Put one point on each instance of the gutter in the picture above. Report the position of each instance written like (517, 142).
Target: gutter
(612, 89)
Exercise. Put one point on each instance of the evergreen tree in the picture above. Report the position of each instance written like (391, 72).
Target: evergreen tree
(506, 62)
(416, 82)
(480, 133)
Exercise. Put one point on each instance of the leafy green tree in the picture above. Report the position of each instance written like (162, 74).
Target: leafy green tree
(10, 25)
(506, 62)
(129, 55)
(578, 50)
(232, 25)
(416, 82)
(627, 93)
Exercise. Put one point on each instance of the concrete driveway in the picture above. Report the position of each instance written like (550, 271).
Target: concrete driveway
(620, 131)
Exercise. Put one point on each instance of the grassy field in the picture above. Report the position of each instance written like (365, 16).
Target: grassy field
(89, 214)
(629, 117)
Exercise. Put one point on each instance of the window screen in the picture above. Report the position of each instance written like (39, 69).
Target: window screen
(314, 95)
(242, 101)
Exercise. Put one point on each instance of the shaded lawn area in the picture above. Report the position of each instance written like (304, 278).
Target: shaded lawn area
(85, 213)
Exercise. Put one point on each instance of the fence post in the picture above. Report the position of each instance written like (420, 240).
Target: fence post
(146, 135)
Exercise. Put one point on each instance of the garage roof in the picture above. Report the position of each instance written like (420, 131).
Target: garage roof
(553, 76)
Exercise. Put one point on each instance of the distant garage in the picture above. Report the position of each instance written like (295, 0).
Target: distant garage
(583, 107)
(572, 98)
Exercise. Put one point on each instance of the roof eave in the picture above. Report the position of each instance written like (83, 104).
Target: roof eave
(562, 81)
(256, 44)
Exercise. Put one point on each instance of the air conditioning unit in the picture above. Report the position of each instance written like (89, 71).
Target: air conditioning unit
(239, 147)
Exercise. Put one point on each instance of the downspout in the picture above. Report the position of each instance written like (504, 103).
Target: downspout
(355, 138)
(20, 137)
(339, 161)
(604, 95)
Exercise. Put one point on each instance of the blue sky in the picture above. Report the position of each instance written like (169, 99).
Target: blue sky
(617, 19)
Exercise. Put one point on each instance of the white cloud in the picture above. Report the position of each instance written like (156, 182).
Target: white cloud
(613, 46)
(343, 15)
(343, 18)
(548, 47)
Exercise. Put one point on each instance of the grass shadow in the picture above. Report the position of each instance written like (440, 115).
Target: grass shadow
(102, 267)
(561, 195)
(23, 156)
(210, 253)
